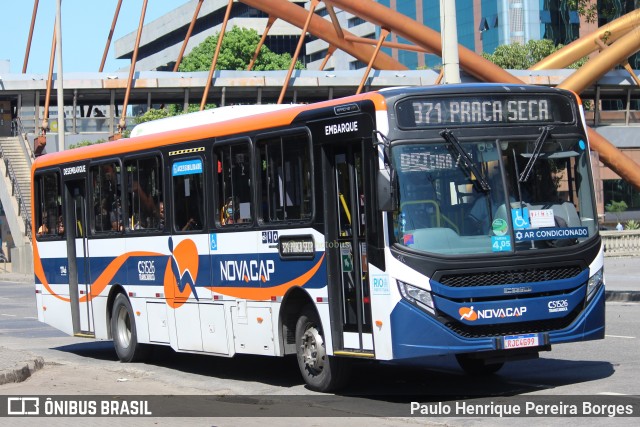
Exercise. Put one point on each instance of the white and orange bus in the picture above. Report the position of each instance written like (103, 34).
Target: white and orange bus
(393, 225)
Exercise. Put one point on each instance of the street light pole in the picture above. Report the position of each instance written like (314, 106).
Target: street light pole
(59, 78)
(449, 35)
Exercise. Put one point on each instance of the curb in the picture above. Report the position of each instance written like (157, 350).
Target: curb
(20, 374)
(622, 296)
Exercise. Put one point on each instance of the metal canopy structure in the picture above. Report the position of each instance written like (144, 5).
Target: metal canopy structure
(616, 41)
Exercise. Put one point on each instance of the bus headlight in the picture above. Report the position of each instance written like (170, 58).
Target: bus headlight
(416, 296)
(594, 283)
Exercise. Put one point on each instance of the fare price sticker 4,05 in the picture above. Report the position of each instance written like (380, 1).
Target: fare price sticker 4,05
(520, 341)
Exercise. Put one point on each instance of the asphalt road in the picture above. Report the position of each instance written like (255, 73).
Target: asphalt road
(75, 366)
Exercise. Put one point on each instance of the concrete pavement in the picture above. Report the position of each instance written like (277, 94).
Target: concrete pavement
(622, 276)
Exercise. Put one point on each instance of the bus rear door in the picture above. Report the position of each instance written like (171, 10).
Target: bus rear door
(76, 227)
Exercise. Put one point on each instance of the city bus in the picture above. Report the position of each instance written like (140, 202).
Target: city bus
(390, 226)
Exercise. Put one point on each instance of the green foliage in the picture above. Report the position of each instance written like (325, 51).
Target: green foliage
(589, 10)
(153, 114)
(238, 46)
(632, 224)
(616, 208)
(85, 143)
(517, 56)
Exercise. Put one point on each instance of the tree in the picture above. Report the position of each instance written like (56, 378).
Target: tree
(609, 9)
(517, 56)
(616, 208)
(238, 46)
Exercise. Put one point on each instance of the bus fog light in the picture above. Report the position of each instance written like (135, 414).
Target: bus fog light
(594, 283)
(416, 296)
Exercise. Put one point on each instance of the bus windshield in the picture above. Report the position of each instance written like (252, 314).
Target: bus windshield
(518, 195)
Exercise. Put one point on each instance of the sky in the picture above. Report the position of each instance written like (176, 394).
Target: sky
(85, 29)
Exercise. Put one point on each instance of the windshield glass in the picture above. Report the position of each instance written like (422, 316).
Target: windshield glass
(444, 207)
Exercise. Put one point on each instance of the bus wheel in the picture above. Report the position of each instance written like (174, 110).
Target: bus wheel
(477, 367)
(123, 329)
(321, 372)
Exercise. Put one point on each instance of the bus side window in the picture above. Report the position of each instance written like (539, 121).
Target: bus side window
(284, 167)
(48, 205)
(188, 194)
(104, 192)
(145, 210)
(234, 184)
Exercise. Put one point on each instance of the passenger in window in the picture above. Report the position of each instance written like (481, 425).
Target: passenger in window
(160, 215)
(192, 224)
(229, 213)
(60, 226)
(146, 201)
(116, 217)
(44, 229)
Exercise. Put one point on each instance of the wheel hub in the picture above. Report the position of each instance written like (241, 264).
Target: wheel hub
(313, 350)
(124, 328)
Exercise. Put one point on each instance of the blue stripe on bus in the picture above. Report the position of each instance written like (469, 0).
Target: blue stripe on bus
(232, 270)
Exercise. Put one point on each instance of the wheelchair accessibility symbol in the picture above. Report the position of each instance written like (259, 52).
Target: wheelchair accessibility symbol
(520, 218)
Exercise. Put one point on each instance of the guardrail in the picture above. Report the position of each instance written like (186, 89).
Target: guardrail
(15, 191)
(621, 243)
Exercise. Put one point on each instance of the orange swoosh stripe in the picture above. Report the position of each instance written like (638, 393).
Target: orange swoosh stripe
(101, 282)
(267, 293)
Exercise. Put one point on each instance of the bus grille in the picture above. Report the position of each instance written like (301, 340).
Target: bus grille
(493, 278)
(483, 331)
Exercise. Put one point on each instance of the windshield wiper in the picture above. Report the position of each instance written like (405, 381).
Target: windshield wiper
(537, 147)
(448, 136)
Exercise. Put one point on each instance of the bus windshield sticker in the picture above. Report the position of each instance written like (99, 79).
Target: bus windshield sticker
(520, 218)
(499, 226)
(501, 243)
(552, 234)
(541, 218)
(187, 167)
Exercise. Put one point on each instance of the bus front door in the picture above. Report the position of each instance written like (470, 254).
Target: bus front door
(76, 224)
(345, 219)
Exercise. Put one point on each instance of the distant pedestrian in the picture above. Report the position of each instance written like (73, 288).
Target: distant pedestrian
(619, 227)
(99, 118)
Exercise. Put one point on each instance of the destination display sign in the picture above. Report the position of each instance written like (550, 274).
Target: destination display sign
(491, 109)
(297, 247)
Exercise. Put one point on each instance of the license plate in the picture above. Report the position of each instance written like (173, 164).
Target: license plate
(520, 341)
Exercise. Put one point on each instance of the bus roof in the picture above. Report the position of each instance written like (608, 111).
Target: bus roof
(215, 115)
(200, 125)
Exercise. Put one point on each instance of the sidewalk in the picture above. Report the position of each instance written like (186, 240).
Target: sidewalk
(622, 276)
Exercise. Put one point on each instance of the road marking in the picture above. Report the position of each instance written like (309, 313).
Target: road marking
(620, 336)
(8, 315)
(610, 393)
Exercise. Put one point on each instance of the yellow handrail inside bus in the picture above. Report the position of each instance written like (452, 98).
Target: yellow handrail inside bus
(345, 207)
(439, 216)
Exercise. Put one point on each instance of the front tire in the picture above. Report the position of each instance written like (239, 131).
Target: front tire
(321, 372)
(123, 329)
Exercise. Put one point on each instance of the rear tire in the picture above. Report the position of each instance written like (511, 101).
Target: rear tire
(477, 367)
(123, 330)
(321, 372)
